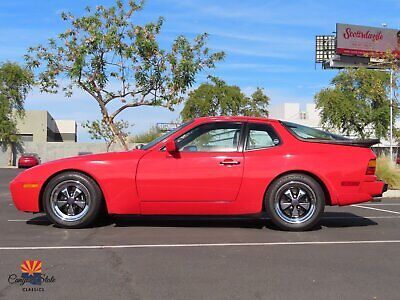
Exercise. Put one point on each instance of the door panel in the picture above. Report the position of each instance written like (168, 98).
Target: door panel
(190, 176)
(207, 168)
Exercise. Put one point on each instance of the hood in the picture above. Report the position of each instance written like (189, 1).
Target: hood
(79, 162)
(97, 157)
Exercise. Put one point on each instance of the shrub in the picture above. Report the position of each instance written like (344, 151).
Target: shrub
(388, 171)
(147, 136)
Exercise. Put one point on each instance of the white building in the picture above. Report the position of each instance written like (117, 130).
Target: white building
(293, 113)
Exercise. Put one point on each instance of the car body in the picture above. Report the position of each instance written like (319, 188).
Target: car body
(28, 160)
(208, 166)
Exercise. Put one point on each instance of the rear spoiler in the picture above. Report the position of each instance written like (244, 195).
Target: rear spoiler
(367, 143)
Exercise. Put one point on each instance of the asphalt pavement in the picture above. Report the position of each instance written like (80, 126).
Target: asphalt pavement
(353, 254)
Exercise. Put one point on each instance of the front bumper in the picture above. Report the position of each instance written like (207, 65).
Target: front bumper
(25, 196)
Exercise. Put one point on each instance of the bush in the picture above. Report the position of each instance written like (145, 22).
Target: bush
(388, 171)
(147, 136)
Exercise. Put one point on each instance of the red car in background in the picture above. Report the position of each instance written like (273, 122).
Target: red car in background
(28, 160)
(209, 166)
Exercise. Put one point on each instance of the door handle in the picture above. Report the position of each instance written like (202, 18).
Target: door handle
(229, 162)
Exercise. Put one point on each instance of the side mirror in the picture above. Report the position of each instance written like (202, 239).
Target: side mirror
(171, 148)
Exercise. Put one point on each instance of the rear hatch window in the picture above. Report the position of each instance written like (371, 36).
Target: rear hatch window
(309, 134)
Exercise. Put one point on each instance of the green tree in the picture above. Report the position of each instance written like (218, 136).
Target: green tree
(257, 105)
(216, 98)
(15, 83)
(119, 64)
(357, 101)
(100, 130)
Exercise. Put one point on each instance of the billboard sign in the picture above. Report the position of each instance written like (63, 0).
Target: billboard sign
(363, 40)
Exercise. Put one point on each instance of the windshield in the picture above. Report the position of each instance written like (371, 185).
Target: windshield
(164, 136)
(309, 133)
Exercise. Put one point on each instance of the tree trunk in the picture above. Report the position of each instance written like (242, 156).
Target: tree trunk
(108, 145)
(114, 129)
(10, 158)
(118, 134)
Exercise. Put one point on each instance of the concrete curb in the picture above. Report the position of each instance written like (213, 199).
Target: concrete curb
(391, 194)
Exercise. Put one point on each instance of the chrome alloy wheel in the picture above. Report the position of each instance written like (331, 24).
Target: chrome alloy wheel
(70, 200)
(295, 202)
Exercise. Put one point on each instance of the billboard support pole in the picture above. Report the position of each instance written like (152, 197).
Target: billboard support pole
(391, 114)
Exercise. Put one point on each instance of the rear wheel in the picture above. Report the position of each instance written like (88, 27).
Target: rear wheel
(295, 202)
(72, 200)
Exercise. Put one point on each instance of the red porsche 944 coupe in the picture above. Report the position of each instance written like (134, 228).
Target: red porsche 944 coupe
(209, 166)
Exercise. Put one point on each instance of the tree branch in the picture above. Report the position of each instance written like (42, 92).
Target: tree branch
(135, 104)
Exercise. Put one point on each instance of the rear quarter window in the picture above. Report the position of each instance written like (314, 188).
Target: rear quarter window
(261, 136)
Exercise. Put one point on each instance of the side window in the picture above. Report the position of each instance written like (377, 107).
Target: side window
(211, 137)
(261, 136)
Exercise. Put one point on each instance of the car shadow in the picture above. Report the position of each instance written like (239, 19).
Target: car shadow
(329, 219)
(345, 219)
(166, 221)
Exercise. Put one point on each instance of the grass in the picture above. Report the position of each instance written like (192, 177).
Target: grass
(388, 171)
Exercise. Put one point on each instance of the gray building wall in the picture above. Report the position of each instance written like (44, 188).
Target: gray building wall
(4, 156)
(34, 123)
(39, 126)
(49, 151)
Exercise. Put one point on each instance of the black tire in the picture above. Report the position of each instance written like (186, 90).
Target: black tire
(81, 195)
(290, 212)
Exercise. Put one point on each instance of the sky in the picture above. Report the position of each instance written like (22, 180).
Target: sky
(268, 44)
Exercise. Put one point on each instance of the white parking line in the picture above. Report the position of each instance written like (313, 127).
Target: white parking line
(200, 245)
(377, 209)
(361, 217)
(381, 204)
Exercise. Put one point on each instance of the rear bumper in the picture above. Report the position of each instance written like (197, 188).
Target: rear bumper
(27, 163)
(375, 188)
(385, 188)
(363, 192)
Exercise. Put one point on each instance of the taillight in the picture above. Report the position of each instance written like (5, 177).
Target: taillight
(371, 167)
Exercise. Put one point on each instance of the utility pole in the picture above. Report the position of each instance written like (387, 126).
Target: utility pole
(391, 114)
(384, 25)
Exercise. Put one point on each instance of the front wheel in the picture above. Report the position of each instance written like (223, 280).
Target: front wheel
(72, 200)
(295, 202)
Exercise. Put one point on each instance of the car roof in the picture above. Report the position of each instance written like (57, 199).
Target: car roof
(234, 119)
